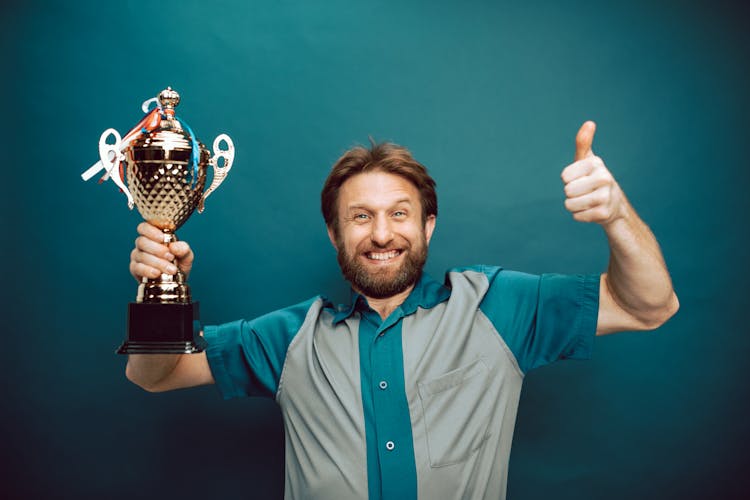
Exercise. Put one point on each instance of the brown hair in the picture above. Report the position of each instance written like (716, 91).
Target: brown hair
(383, 157)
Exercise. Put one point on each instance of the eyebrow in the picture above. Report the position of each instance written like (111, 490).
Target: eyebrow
(365, 207)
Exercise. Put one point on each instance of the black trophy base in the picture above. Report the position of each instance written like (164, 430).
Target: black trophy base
(163, 329)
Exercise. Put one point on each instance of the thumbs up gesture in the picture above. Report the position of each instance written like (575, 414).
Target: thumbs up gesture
(591, 193)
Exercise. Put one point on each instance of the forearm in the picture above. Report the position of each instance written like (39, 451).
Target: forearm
(149, 370)
(637, 277)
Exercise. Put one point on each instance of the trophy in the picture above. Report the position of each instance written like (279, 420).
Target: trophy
(165, 167)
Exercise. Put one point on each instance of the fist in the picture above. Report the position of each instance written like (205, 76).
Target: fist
(151, 257)
(591, 193)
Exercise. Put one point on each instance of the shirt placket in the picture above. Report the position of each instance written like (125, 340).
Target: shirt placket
(391, 423)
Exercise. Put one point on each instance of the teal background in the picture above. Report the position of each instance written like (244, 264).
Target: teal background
(489, 95)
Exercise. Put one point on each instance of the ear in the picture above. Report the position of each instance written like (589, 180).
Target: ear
(332, 237)
(429, 227)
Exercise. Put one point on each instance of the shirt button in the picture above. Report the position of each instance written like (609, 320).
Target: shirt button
(390, 445)
(383, 384)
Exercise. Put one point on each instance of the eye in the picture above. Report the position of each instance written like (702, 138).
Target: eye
(361, 217)
(399, 214)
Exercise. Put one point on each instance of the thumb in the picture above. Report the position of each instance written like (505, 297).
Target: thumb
(584, 140)
(180, 249)
(183, 254)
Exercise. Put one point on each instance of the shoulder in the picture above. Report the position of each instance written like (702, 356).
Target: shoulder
(482, 278)
(291, 316)
(280, 325)
(507, 293)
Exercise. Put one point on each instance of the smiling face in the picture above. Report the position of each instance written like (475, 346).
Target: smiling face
(381, 240)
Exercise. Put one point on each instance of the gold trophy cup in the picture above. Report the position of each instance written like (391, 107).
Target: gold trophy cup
(165, 167)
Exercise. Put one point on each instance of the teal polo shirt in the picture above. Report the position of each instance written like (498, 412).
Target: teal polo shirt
(419, 405)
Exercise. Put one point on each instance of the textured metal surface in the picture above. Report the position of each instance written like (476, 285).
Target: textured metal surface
(165, 187)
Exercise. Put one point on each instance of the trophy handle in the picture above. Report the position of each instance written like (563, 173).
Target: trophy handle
(111, 157)
(219, 172)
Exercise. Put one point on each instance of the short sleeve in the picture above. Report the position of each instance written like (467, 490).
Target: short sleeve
(246, 357)
(544, 318)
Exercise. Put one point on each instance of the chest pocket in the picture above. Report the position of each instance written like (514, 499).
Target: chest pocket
(456, 413)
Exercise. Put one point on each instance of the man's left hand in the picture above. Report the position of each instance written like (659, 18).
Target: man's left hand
(591, 193)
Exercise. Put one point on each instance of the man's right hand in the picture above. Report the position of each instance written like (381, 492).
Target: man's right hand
(151, 257)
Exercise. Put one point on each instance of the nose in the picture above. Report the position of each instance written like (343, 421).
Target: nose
(382, 233)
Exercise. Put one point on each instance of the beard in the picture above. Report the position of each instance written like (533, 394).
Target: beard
(382, 283)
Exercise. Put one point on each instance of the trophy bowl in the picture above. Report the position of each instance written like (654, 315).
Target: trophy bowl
(166, 188)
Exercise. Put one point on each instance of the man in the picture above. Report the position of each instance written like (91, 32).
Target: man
(411, 391)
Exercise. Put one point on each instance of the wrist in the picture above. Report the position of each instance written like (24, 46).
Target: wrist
(622, 212)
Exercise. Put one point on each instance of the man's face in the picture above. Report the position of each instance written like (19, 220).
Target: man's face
(381, 241)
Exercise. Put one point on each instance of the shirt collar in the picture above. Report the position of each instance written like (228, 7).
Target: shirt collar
(427, 293)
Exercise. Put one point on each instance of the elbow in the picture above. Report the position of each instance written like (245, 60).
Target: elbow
(133, 376)
(660, 315)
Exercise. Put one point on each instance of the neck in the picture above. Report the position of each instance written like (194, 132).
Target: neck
(384, 307)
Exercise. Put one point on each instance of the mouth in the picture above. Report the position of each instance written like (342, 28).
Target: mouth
(383, 256)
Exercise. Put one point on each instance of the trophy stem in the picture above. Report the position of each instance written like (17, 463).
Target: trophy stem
(167, 288)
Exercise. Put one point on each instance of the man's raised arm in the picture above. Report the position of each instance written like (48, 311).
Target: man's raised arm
(636, 291)
(163, 372)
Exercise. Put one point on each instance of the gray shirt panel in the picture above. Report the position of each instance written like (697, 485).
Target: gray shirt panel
(321, 400)
(463, 386)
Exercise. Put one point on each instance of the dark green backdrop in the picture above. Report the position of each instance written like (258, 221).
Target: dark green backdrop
(489, 95)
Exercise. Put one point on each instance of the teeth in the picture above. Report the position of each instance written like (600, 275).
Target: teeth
(383, 255)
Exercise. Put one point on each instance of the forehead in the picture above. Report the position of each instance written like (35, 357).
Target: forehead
(377, 190)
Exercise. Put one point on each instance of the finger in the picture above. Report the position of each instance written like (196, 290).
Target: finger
(152, 261)
(589, 201)
(586, 184)
(580, 186)
(147, 245)
(151, 232)
(584, 140)
(578, 169)
(139, 271)
(599, 214)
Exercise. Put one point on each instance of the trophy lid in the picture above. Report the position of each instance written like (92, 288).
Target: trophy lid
(169, 99)
(173, 137)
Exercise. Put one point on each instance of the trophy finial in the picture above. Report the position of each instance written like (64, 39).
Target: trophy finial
(169, 99)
